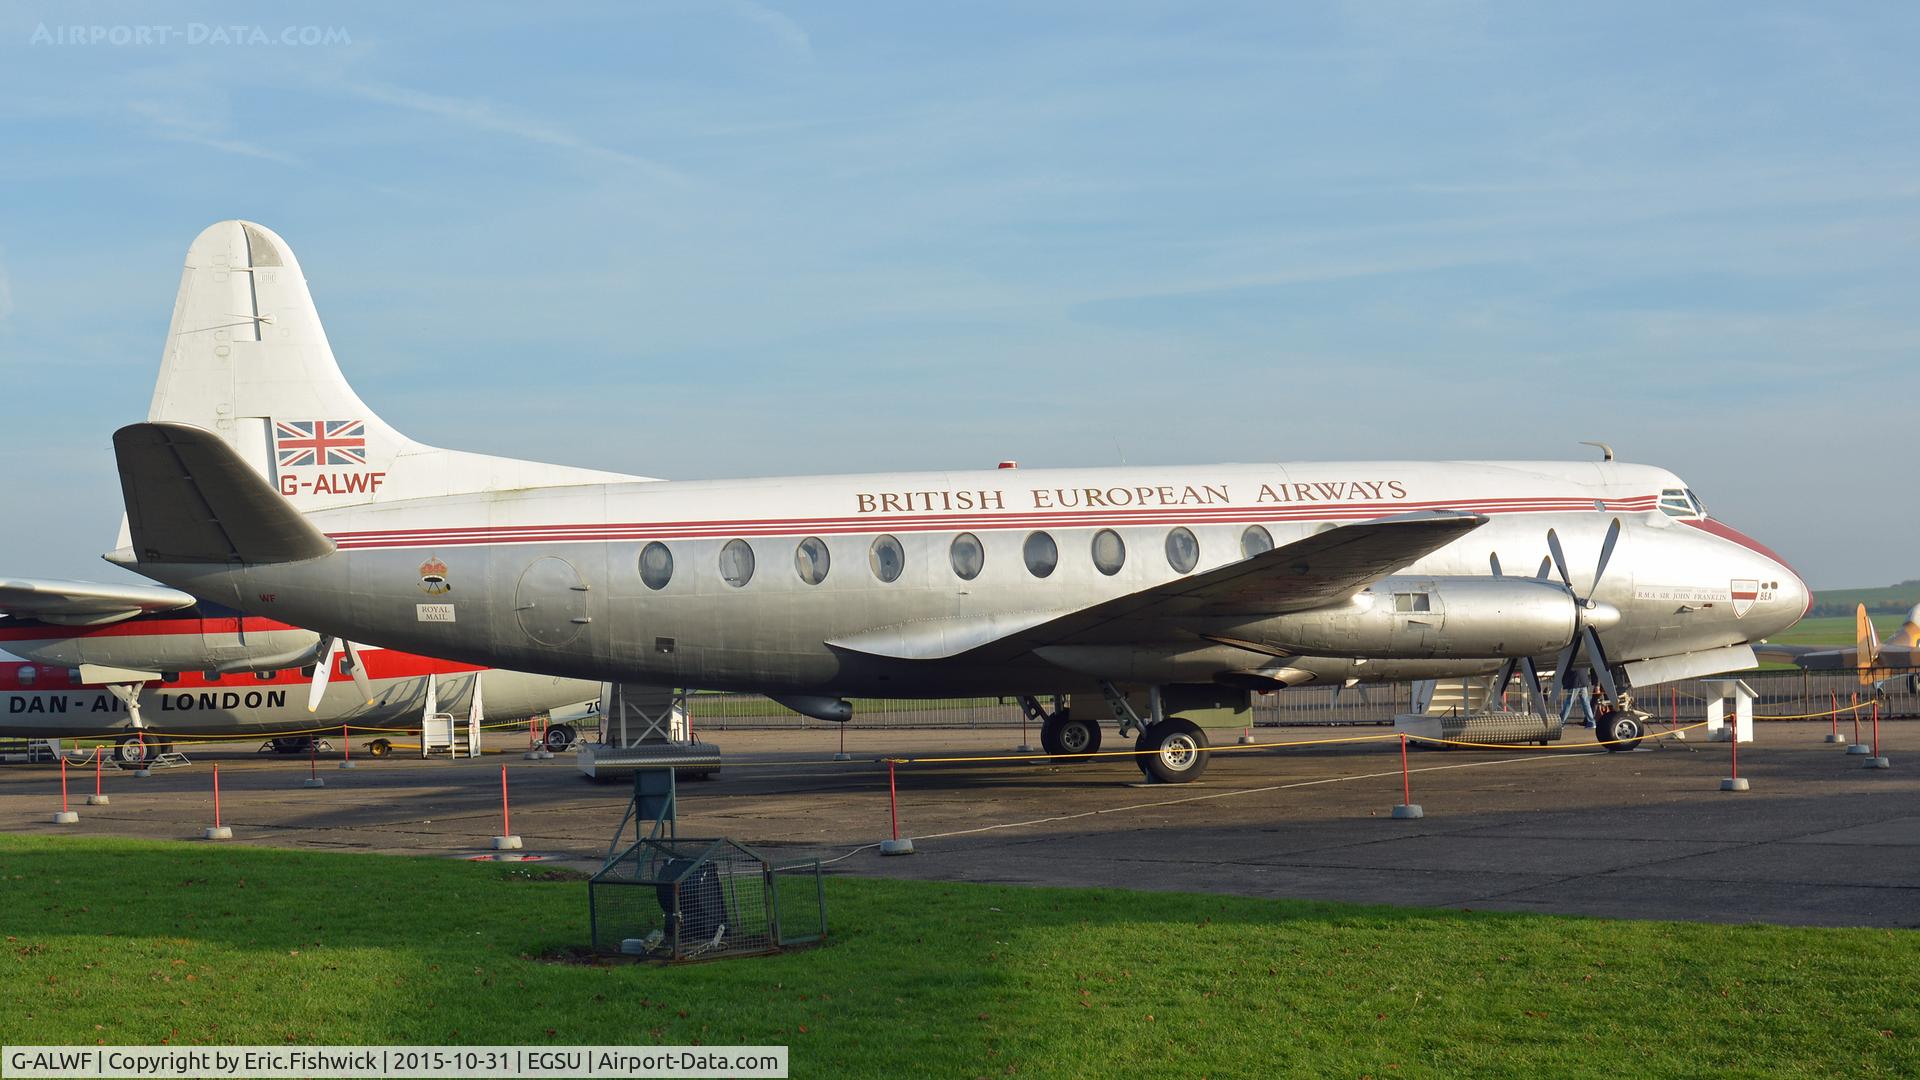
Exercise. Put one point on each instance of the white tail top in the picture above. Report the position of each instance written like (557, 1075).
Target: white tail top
(247, 359)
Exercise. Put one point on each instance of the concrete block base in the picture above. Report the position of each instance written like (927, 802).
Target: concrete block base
(349, 764)
(66, 817)
(313, 781)
(506, 843)
(99, 800)
(217, 832)
(1877, 763)
(1409, 812)
(143, 773)
(1834, 737)
(843, 756)
(1860, 750)
(896, 847)
(1734, 783)
(1246, 740)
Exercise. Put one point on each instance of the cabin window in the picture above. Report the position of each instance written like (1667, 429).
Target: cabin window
(28, 675)
(346, 668)
(265, 676)
(1255, 541)
(1041, 553)
(306, 672)
(887, 558)
(656, 565)
(736, 563)
(1183, 550)
(967, 556)
(1109, 552)
(1412, 601)
(811, 560)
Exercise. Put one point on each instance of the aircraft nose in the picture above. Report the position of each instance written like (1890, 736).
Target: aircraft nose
(1601, 616)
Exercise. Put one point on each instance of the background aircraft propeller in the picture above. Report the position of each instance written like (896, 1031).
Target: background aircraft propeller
(1524, 663)
(323, 671)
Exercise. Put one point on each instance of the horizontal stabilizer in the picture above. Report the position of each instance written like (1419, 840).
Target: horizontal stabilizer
(191, 499)
(84, 603)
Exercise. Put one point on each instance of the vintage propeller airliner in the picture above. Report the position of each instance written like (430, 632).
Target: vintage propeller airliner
(261, 481)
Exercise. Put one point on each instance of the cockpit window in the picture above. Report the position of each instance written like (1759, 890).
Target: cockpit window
(1677, 502)
(1698, 506)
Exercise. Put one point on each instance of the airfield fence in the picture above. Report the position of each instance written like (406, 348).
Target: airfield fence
(1783, 692)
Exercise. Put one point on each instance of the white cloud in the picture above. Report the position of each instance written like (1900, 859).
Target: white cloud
(173, 123)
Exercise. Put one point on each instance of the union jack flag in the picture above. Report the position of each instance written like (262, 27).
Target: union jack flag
(320, 442)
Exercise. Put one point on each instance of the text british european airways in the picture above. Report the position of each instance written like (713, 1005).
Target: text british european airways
(1103, 498)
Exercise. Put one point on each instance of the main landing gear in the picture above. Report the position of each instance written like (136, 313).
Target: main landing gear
(1170, 749)
(1067, 738)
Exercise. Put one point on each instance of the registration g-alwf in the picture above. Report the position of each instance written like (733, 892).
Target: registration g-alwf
(262, 481)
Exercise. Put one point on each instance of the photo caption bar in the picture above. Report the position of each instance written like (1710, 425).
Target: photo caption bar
(275, 1062)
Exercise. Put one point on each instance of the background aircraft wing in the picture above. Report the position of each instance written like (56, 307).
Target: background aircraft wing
(1322, 569)
(84, 603)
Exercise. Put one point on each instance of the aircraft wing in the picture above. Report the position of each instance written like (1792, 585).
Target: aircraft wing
(1817, 657)
(1322, 569)
(84, 603)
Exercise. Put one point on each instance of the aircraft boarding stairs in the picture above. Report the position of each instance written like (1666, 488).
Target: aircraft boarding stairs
(1470, 710)
(444, 733)
(645, 726)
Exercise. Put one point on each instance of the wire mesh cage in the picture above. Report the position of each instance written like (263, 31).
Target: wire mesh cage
(683, 899)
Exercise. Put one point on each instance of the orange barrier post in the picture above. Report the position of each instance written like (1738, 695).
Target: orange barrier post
(894, 846)
(65, 816)
(99, 797)
(217, 831)
(1877, 761)
(1858, 747)
(1408, 810)
(506, 841)
(1734, 782)
(346, 750)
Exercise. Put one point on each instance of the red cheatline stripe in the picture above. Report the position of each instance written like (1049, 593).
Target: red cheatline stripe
(942, 522)
(138, 627)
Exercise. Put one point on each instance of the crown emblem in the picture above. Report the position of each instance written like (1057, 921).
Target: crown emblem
(433, 577)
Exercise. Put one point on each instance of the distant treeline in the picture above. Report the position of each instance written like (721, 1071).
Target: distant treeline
(1885, 600)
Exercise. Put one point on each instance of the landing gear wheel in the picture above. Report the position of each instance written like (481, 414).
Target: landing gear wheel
(1620, 731)
(1068, 738)
(132, 750)
(560, 737)
(380, 748)
(1173, 751)
(291, 744)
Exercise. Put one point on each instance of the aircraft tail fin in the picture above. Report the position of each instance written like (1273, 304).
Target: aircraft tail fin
(247, 360)
(191, 499)
(1866, 638)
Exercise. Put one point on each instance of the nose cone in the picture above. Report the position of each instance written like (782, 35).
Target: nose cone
(1601, 616)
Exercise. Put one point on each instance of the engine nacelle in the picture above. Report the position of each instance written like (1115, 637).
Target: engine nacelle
(1419, 618)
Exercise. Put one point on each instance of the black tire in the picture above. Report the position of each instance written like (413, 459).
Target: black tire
(132, 750)
(1069, 739)
(1620, 731)
(1174, 751)
(560, 737)
(380, 748)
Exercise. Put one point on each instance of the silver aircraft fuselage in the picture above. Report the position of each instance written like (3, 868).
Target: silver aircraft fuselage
(761, 578)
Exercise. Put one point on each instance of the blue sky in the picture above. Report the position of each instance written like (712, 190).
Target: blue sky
(734, 238)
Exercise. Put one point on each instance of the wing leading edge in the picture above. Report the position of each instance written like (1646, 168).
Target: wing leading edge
(1321, 569)
(84, 603)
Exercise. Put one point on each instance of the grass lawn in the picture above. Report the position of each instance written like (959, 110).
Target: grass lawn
(1837, 630)
(144, 942)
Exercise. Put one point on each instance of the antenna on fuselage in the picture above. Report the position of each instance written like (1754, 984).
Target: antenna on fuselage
(1606, 452)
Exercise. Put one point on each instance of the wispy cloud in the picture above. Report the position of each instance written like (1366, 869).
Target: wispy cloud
(173, 123)
(483, 116)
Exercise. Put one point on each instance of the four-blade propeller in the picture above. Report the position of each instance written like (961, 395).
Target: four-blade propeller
(1590, 617)
(323, 671)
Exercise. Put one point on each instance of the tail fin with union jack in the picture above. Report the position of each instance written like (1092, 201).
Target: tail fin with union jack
(246, 358)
